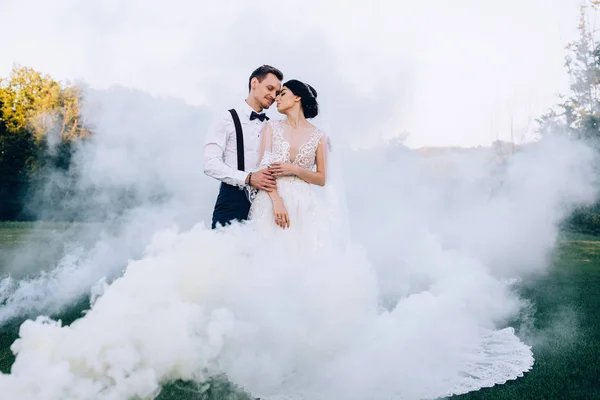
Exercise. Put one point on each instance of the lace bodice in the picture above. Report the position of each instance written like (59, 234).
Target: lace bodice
(279, 148)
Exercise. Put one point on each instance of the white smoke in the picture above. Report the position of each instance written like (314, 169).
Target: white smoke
(438, 240)
(427, 68)
(443, 237)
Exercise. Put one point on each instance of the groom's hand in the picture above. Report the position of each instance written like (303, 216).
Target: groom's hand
(263, 180)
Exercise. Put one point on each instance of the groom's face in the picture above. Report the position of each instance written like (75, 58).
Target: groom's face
(267, 90)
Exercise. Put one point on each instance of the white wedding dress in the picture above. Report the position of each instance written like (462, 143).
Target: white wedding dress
(288, 314)
(492, 357)
(308, 215)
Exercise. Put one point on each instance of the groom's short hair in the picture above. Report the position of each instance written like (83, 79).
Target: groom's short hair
(261, 72)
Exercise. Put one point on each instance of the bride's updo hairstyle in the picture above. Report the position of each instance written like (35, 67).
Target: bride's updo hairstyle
(308, 96)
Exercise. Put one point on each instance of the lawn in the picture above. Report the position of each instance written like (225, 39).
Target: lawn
(566, 328)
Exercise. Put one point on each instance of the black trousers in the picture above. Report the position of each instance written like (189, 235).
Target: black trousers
(232, 204)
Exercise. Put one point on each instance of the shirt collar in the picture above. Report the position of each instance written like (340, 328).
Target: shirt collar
(246, 109)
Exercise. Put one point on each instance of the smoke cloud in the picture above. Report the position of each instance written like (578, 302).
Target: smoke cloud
(439, 243)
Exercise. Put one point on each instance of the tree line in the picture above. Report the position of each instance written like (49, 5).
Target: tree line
(577, 113)
(40, 121)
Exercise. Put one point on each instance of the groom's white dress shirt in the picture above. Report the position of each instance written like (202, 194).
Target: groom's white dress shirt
(220, 150)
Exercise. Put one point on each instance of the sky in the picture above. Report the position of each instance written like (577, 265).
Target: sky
(446, 73)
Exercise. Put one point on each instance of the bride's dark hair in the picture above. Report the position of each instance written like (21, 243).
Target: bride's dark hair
(308, 96)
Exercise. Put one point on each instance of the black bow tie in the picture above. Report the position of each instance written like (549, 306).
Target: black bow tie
(255, 115)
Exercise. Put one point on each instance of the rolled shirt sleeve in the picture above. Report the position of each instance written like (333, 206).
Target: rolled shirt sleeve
(214, 152)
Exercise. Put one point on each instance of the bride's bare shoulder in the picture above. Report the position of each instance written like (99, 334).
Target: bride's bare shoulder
(314, 128)
(318, 130)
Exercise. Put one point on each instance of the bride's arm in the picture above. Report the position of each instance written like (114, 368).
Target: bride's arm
(279, 211)
(317, 177)
(262, 178)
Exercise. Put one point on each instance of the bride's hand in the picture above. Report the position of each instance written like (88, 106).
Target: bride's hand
(283, 169)
(280, 213)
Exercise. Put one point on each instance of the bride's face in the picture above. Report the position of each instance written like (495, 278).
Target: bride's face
(286, 100)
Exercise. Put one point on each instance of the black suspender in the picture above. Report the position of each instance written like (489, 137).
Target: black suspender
(239, 138)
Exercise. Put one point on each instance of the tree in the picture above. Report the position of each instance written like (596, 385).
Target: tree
(29, 100)
(39, 120)
(579, 113)
(37, 103)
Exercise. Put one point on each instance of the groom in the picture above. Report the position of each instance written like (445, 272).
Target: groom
(232, 147)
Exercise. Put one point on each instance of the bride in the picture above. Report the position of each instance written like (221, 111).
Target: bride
(274, 304)
(294, 150)
(297, 151)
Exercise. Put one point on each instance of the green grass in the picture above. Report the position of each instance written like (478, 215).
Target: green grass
(28, 247)
(565, 331)
(12, 236)
(15, 234)
(563, 326)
